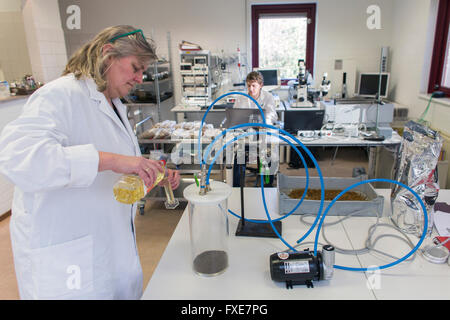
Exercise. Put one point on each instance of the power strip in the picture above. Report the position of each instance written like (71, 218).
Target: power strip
(314, 133)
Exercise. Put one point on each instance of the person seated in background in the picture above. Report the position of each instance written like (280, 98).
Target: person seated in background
(255, 83)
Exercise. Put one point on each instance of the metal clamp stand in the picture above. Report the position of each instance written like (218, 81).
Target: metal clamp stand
(250, 228)
(376, 135)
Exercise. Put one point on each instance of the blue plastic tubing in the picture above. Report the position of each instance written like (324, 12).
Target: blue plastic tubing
(264, 200)
(264, 125)
(386, 265)
(209, 108)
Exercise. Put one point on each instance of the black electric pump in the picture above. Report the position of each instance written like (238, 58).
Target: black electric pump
(302, 268)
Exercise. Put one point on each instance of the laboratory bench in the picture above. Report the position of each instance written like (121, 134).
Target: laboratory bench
(248, 274)
(373, 147)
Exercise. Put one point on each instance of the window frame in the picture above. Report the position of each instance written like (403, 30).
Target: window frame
(439, 48)
(308, 8)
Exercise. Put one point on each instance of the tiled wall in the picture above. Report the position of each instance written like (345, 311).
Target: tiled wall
(14, 58)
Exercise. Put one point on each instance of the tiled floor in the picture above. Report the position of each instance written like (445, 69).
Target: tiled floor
(156, 226)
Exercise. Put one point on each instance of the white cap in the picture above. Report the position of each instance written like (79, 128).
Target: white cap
(219, 192)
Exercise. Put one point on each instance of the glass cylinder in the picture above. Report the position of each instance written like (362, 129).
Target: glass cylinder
(208, 226)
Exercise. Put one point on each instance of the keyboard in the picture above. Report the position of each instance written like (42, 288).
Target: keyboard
(219, 106)
(355, 100)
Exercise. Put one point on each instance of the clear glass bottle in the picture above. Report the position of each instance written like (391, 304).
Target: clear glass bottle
(208, 226)
(130, 188)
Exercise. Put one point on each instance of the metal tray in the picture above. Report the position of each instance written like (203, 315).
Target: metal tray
(371, 207)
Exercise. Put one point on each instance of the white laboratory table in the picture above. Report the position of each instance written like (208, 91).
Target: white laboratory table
(248, 274)
(180, 109)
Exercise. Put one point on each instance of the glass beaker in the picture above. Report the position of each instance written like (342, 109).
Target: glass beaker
(208, 226)
(171, 202)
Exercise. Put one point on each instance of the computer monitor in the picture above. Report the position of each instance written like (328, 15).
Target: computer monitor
(303, 120)
(239, 116)
(368, 84)
(271, 76)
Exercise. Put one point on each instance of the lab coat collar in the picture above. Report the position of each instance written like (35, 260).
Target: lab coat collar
(108, 110)
(93, 92)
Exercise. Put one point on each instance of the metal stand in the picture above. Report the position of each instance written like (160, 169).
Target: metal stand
(253, 229)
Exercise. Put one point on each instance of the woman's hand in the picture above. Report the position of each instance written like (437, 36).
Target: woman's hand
(173, 177)
(146, 169)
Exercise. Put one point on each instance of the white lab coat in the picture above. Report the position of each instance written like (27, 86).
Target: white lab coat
(265, 100)
(70, 238)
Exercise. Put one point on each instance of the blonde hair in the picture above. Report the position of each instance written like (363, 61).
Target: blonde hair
(89, 60)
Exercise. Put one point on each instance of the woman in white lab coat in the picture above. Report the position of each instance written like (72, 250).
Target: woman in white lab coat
(70, 238)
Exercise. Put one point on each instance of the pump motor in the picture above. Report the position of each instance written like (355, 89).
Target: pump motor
(303, 267)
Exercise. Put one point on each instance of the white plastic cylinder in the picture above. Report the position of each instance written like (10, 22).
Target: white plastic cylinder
(208, 228)
(229, 175)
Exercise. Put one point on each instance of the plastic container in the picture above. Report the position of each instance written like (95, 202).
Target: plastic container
(373, 206)
(208, 226)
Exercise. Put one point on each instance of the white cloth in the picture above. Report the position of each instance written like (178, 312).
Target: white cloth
(71, 239)
(265, 100)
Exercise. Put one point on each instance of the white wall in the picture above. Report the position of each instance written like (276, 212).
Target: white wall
(215, 25)
(342, 33)
(14, 59)
(413, 39)
(411, 52)
(10, 5)
(45, 39)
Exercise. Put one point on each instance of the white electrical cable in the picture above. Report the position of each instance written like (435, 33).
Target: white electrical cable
(369, 243)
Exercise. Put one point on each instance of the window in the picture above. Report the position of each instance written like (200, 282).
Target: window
(440, 64)
(281, 35)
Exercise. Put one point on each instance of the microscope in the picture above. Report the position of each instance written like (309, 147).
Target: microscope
(325, 86)
(302, 88)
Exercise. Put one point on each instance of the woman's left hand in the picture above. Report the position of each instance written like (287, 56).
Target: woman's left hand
(173, 176)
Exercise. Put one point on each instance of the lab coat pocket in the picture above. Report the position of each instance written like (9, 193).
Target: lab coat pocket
(64, 271)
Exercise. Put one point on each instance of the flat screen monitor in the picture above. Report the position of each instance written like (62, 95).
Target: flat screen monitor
(368, 85)
(271, 76)
(303, 120)
(239, 116)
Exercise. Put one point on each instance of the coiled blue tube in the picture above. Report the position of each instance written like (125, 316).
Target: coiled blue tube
(272, 134)
(322, 195)
(387, 265)
(322, 189)
(209, 108)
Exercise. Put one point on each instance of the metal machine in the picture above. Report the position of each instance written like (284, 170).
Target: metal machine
(325, 85)
(302, 88)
